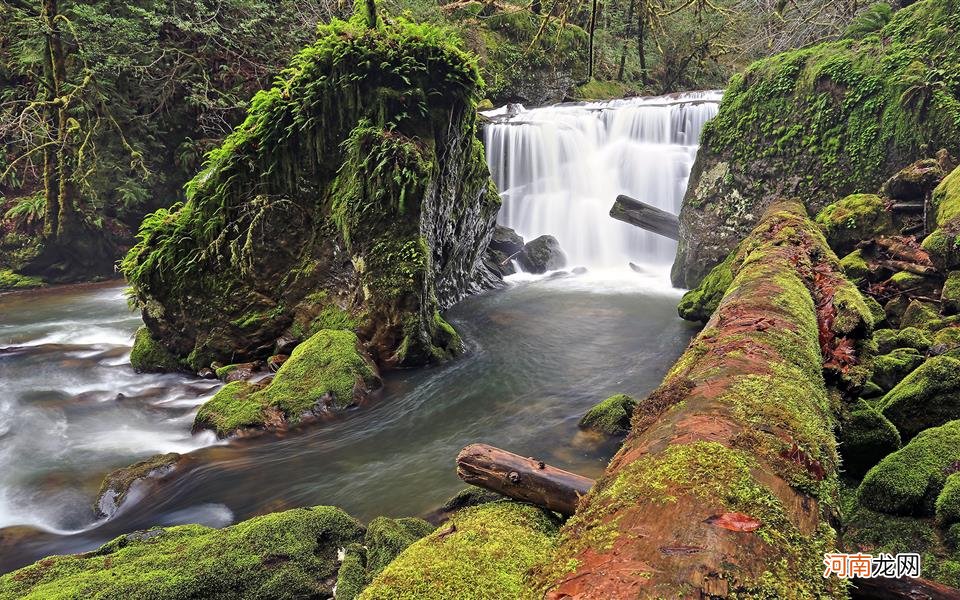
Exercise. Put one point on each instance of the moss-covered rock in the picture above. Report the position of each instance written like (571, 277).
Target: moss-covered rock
(291, 554)
(853, 219)
(699, 304)
(943, 244)
(915, 181)
(355, 192)
(948, 502)
(387, 538)
(113, 490)
(818, 123)
(889, 340)
(485, 551)
(352, 576)
(950, 296)
(919, 314)
(946, 341)
(12, 281)
(149, 356)
(542, 254)
(325, 373)
(236, 371)
(908, 481)
(928, 397)
(855, 266)
(612, 416)
(867, 437)
(876, 310)
(890, 369)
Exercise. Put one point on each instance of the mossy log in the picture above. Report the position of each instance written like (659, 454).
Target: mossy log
(526, 479)
(728, 481)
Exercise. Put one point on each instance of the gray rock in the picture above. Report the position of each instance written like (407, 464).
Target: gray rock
(541, 255)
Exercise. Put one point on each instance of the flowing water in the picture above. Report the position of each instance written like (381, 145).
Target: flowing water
(540, 353)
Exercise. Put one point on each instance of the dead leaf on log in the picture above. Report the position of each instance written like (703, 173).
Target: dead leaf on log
(734, 521)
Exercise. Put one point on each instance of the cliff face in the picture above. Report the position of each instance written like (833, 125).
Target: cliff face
(820, 123)
(354, 196)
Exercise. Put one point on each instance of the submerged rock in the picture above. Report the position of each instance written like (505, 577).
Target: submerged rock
(116, 485)
(541, 255)
(334, 200)
(328, 372)
(612, 416)
(291, 554)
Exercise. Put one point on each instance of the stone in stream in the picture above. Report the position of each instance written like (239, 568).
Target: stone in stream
(541, 255)
(612, 416)
(506, 240)
(117, 485)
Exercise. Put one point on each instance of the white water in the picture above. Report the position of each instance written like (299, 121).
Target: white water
(560, 168)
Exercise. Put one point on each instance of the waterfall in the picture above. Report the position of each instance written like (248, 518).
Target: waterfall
(559, 169)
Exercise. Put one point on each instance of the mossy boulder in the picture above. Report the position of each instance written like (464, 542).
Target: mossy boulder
(908, 481)
(542, 254)
(356, 188)
(943, 243)
(116, 485)
(855, 266)
(919, 314)
(328, 372)
(485, 551)
(889, 340)
(10, 281)
(700, 303)
(948, 502)
(914, 182)
(854, 219)
(290, 554)
(890, 369)
(867, 437)
(612, 416)
(818, 123)
(386, 538)
(946, 341)
(927, 397)
(950, 296)
(149, 356)
(876, 310)
(352, 576)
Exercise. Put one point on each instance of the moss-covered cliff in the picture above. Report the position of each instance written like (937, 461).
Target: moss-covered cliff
(355, 191)
(820, 123)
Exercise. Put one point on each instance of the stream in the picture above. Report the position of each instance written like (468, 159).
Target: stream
(540, 353)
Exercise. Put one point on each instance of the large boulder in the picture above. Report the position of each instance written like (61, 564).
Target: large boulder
(541, 255)
(819, 123)
(355, 195)
(854, 218)
(927, 397)
(915, 182)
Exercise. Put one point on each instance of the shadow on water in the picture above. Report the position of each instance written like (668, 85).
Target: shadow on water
(540, 353)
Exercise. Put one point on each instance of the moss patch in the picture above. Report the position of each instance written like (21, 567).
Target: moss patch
(950, 297)
(928, 397)
(289, 554)
(12, 281)
(149, 356)
(866, 438)
(889, 340)
(853, 219)
(387, 538)
(485, 552)
(855, 266)
(612, 416)
(908, 481)
(700, 303)
(890, 369)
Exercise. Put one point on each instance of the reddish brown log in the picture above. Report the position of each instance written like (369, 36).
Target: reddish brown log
(526, 479)
(905, 588)
(899, 265)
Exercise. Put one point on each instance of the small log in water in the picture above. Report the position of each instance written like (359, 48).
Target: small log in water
(647, 217)
(905, 588)
(526, 479)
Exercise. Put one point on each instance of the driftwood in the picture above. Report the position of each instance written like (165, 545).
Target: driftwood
(526, 479)
(647, 217)
(905, 588)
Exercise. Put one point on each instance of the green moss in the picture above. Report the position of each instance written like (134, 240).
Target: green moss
(908, 481)
(946, 340)
(919, 314)
(867, 436)
(855, 266)
(487, 553)
(612, 416)
(890, 369)
(234, 407)
(948, 502)
(876, 310)
(148, 356)
(603, 90)
(928, 397)
(352, 576)
(950, 297)
(943, 244)
(853, 219)
(225, 370)
(946, 199)
(907, 281)
(289, 554)
(387, 538)
(116, 484)
(699, 304)
(12, 281)
(888, 340)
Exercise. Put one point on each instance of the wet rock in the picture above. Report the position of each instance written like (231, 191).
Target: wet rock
(149, 356)
(207, 373)
(541, 255)
(579, 271)
(612, 416)
(506, 240)
(237, 372)
(116, 485)
(914, 182)
(276, 361)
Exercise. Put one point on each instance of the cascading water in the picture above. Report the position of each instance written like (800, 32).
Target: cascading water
(559, 169)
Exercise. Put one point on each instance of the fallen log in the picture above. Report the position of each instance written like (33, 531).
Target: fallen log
(904, 251)
(905, 588)
(726, 484)
(526, 479)
(899, 265)
(647, 217)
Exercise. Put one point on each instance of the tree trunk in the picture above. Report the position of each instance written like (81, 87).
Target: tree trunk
(525, 479)
(647, 217)
(593, 26)
(626, 43)
(51, 181)
(641, 25)
(726, 483)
